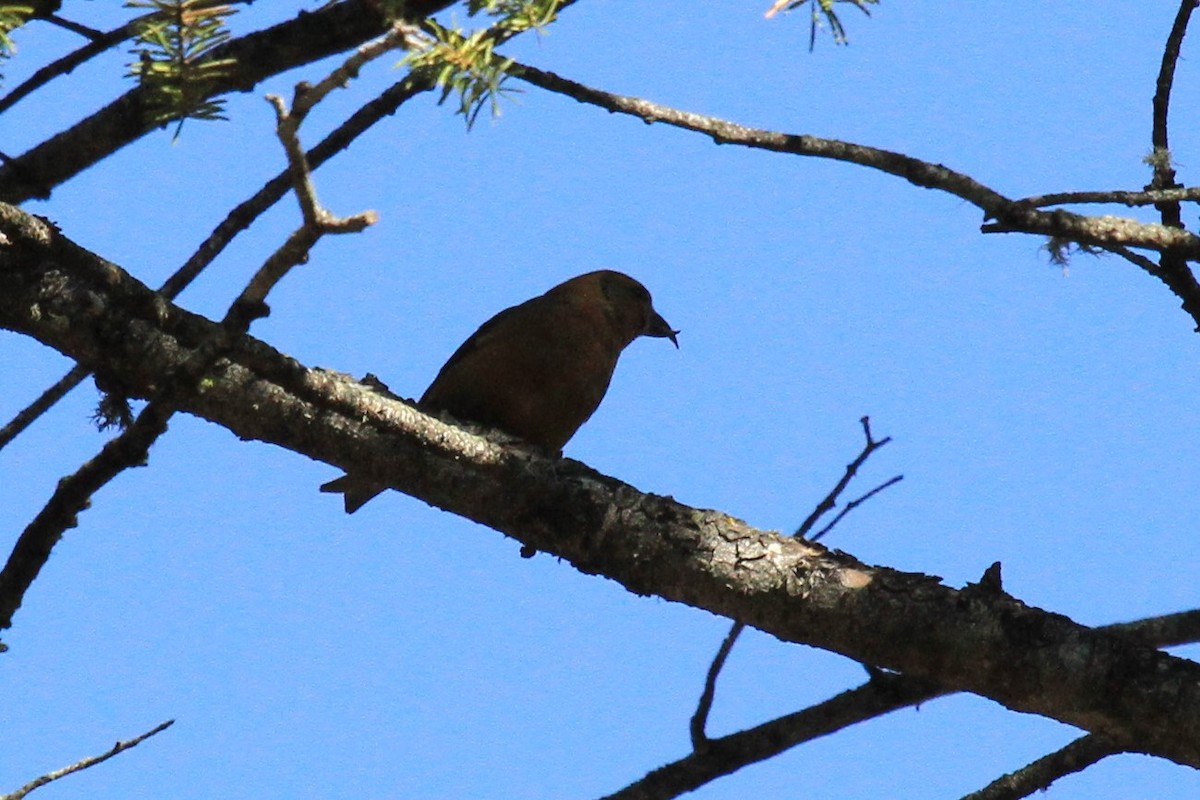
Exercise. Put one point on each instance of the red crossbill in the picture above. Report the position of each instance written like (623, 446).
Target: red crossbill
(539, 369)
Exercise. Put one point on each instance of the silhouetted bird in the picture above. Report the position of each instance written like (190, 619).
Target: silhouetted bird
(539, 369)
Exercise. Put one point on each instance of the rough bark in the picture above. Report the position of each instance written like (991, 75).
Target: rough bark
(977, 639)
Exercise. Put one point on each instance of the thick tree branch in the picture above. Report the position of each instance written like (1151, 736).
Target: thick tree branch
(979, 641)
(714, 758)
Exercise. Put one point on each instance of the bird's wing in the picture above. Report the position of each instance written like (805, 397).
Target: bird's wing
(477, 341)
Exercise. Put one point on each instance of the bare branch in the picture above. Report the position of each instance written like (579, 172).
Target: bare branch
(1116, 196)
(711, 761)
(699, 722)
(71, 496)
(67, 63)
(26, 416)
(1037, 776)
(119, 747)
(1164, 173)
(830, 500)
(1169, 630)
(795, 590)
(724, 756)
(1010, 216)
(855, 503)
(91, 34)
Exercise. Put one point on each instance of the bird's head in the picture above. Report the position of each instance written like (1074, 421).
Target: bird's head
(628, 307)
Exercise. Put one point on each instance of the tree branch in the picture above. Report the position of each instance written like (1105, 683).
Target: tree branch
(309, 37)
(66, 64)
(132, 447)
(724, 756)
(119, 747)
(968, 640)
(1116, 196)
(1037, 776)
(697, 727)
(1164, 173)
(715, 758)
(1010, 215)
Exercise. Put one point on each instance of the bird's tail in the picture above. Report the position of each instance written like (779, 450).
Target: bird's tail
(355, 493)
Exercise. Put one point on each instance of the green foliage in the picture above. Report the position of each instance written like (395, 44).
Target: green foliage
(175, 64)
(466, 65)
(517, 15)
(12, 16)
(822, 13)
(463, 65)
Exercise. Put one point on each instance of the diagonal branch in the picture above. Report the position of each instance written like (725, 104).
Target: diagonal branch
(723, 756)
(67, 63)
(830, 500)
(92, 761)
(1037, 776)
(964, 640)
(1010, 215)
(131, 448)
(715, 758)
(697, 726)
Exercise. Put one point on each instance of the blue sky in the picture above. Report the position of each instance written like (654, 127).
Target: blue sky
(1040, 416)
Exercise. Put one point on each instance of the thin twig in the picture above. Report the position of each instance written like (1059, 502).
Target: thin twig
(119, 747)
(71, 496)
(99, 41)
(853, 504)
(699, 722)
(1138, 260)
(66, 64)
(45, 401)
(1174, 270)
(830, 500)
